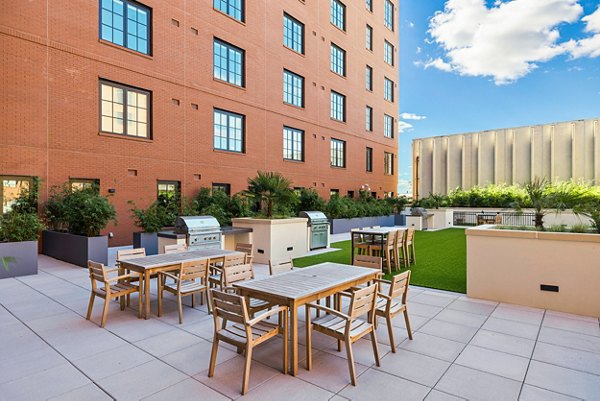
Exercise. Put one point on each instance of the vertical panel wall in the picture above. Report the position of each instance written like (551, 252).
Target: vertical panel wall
(561, 151)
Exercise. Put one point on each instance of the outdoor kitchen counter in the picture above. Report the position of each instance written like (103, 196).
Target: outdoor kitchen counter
(234, 235)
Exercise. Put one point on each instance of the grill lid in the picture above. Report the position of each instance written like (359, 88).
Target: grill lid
(196, 224)
(419, 211)
(314, 216)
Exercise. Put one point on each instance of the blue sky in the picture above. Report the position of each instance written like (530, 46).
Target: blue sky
(486, 64)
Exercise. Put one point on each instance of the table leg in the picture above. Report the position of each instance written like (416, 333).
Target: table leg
(147, 294)
(294, 338)
(352, 235)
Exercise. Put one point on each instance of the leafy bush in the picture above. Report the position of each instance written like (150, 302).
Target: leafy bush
(80, 212)
(152, 219)
(310, 200)
(220, 205)
(591, 210)
(558, 228)
(348, 208)
(580, 228)
(22, 223)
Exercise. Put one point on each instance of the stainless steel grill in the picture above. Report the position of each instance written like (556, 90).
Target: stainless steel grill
(202, 232)
(318, 227)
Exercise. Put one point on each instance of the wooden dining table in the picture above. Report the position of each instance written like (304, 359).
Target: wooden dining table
(303, 285)
(149, 265)
(374, 233)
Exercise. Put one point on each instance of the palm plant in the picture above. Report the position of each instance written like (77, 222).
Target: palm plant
(270, 190)
(591, 210)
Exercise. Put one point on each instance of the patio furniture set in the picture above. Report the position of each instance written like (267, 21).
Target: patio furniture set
(244, 308)
(395, 246)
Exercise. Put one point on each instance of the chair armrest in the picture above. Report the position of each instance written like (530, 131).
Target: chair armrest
(383, 281)
(171, 275)
(329, 310)
(123, 277)
(384, 296)
(265, 315)
(114, 269)
(348, 294)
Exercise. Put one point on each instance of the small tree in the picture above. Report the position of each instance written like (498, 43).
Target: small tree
(271, 190)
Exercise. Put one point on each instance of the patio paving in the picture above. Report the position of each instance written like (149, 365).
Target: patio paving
(463, 349)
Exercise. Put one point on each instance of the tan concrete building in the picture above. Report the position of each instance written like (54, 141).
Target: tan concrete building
(557, 151)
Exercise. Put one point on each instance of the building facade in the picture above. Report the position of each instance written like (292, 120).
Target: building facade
(174, 95)
(558, 152)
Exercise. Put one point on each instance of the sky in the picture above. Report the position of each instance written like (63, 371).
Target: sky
(474, 65)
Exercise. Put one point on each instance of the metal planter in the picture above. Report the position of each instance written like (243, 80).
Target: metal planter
(21, 258)
(75, 249)
(148, 241)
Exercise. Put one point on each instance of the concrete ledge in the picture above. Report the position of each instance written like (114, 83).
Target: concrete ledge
(491, 231)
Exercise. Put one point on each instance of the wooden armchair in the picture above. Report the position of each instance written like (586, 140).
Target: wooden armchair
(281, 266)
(175, 248)
(191, 279)
(393, 303)
(111, 288)
(236, 273)
(346, 327)
(409, 246)
(126, 254)
(386, 251)
(233, 325)
(248, 249)
(372, 262)
(215, 278)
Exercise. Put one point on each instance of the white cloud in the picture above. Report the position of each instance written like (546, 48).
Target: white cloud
(411, 116)
(411, 24)
(504, 42)
(403, 126)
(419, 50)
(590, 46)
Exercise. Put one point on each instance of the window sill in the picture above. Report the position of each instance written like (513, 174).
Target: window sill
(337, 121)
(293, 51)
(294, 106)
(128, 50)
(230, 17)
(338, 28)
(294, 161)
(338, 167)
(127, 137)
(229, 152)
(229, 84)
(339, 75)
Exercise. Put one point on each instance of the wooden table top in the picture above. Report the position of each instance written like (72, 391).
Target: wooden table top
(307, 281)
(377, 231)
(168, 259)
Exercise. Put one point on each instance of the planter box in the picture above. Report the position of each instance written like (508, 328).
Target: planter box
(148, 241)
(528, 267)
(25, 256)
(338, 226)
(75, 249)
(276, 239)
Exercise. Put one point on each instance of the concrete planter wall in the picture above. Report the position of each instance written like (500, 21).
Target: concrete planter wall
(276, 239)
(148, 241)
(25, 255)
(566, 217)
(75, 249)
(512, 266)
(337, 226)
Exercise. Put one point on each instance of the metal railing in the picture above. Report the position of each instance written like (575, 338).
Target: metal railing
(468, 218)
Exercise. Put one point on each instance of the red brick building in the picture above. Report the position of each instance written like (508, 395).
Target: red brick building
(197, 93)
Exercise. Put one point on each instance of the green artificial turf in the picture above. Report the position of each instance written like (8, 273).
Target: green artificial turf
(441, 259)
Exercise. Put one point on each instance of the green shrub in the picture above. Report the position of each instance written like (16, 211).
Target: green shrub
(558, 228)
(151, 219)
(17, 226)
(272, 191)
(80, 212)
(309, 199)
(580, 228)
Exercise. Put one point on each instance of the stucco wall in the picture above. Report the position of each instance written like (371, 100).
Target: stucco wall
(509, 266)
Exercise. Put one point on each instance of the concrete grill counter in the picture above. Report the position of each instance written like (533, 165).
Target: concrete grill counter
(230, 235)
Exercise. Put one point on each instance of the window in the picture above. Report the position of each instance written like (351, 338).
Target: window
(369, 5)
(77, 184)
(168, 192)
(338, 14)
(293, 144)
(369, 78)
(293, 88)
(388, 195)
(233, 8)
(338, 60)
(388, 90)
(338, 153)
(217, 186)
(11, 187)
(338, 106)
(388, 52)
(228, 131)
(125, 23)
(388, 14)
(369, 38)
(369, 165)
(369, 118)
(374, 195)
(350, 194)
(293, 34)
(334, 192)
(388, 163)
(228, 63)
(388, 126)
(125, 110)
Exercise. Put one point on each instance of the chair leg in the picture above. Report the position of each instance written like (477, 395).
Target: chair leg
(202, 297)
(350, 361)
(387, 261)
(160, 297)
(375, 348)
(104, 311)
(407, 321)
(213, 357)
(122, 302)
(414, 255)
(247, 369)
(283, 320)
(390, 328)
(140, 299)
(90, 306)
(308, 340)
(179, 303)
(193, 300)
